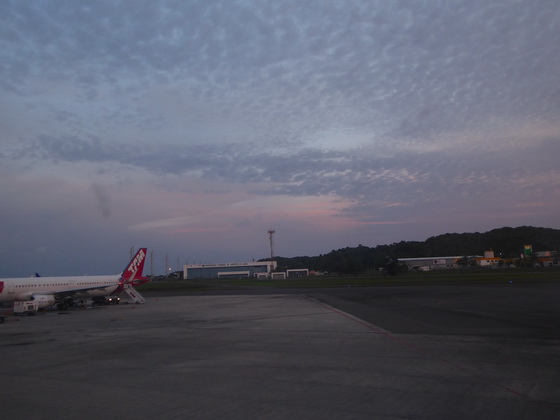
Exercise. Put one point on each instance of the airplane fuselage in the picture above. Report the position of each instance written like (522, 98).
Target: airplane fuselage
(22, 289)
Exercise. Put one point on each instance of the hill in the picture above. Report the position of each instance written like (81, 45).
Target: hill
(505, 242)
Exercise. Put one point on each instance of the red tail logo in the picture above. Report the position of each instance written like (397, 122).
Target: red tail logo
(135, 267)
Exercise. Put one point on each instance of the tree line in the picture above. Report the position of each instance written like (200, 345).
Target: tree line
(506, 242)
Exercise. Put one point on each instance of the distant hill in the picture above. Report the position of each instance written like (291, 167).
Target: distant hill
(505, 242)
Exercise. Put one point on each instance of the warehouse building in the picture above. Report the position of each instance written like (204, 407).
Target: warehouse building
(430, 263)
(440, 263)
(297, 272)
(229, 270)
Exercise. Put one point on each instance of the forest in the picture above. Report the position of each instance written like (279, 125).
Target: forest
(506, 242)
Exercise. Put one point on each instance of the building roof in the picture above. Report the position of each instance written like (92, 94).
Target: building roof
(435, 258)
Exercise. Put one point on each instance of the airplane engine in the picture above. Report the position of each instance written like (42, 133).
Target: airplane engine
(44, 301)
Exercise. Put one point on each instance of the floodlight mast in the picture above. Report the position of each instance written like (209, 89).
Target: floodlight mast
(271, 233)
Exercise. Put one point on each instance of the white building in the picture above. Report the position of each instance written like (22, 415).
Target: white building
(229, 270)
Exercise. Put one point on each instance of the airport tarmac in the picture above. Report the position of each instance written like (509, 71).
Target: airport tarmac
(430, 352)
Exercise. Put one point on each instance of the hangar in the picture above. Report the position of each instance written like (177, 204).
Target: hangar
(229, 270)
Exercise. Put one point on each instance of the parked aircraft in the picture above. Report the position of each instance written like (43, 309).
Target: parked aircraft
(46, 291)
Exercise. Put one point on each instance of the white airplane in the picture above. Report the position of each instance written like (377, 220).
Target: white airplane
(46, 291)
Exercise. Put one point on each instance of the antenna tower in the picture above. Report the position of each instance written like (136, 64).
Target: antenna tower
(271, 233)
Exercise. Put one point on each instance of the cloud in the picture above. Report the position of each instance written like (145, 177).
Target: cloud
(232, 115)
(355, 175)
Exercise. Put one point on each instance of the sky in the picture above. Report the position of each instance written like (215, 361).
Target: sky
(194, 127)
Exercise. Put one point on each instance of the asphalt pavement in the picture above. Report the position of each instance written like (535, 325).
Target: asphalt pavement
(426, 352)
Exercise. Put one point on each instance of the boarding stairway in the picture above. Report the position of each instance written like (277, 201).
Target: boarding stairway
(133, 294)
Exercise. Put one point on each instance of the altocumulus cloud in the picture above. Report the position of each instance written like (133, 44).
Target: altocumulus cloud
(438, 115)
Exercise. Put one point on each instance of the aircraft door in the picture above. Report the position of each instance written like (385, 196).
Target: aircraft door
(9, 287)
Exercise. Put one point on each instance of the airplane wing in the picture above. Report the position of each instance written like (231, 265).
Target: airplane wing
(71, 293)
(76, 292)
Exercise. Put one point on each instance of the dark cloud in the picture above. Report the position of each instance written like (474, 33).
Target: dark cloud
(69, 149)
(404, 180)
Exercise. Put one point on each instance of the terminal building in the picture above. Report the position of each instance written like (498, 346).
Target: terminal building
(261, 269)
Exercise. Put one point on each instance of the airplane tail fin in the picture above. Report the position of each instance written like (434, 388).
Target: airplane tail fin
(135, 267)
(132, 275)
